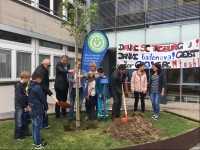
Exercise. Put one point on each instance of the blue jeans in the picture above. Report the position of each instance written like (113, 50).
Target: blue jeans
(100, 102)
(155, 99)
(20, 128)
(36, 129)
(72, 101)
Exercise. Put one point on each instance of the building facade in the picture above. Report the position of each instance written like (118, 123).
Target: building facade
(153, 22)
(30, 32)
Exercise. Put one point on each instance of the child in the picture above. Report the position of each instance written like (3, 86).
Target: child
(91, 97)
(38, 105)
(21, 103)
(102, 87)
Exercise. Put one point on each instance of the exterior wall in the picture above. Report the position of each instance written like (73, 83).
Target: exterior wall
(30, 19)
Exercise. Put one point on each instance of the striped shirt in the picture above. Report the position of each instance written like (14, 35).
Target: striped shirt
(155, 84)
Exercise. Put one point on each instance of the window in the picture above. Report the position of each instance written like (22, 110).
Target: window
(56, 8)
(23, 62)
(71, 49)
(42, 57)
(56, 60)
(14, 37)
(71, 62)
(44, 5)
(5, 64)
(191, 75)
(173, 76)
(48, 44)
(27, 1)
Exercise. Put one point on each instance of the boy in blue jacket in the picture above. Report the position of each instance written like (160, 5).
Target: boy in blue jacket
(21, 103)
(102, 86)
(38, 105)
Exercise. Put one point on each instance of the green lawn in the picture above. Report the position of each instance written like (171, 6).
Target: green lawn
(57, 138)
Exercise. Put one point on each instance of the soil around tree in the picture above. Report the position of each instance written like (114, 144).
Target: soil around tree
(136, 129)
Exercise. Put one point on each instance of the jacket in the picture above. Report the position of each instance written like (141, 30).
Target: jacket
(100, 87)
(138, 83)
(45, 79)
(117, 82)
(61, 81)
(161, 82)
(36, 99)
(71, 80)
(21, 100)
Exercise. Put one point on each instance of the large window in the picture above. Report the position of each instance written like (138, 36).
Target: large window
(191, 75)
(14, 37)
(173, 76)
(44, 5)
(56, 60)
(42, 57)
(5, 64)
(56, 8)
(23, 62)
(48, 44)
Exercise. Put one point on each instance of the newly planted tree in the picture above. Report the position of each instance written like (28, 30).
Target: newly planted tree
(76, 20)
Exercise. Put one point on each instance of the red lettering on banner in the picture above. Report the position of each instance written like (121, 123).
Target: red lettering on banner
(194, 63)
(185, 64)
(126, 47)
(143, 48)
(165, 48)
(174, 63)
(190, 64)
(180, 63)
(174, 47)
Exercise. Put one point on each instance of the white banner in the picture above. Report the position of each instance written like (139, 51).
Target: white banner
(180, 55)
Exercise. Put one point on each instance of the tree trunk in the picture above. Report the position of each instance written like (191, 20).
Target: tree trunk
(77, 73)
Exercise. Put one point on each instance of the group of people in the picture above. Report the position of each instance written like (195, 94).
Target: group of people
(94, 87)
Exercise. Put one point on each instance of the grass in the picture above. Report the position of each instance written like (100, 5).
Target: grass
(90, 139)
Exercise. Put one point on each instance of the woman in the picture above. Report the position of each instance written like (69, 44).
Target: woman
(156, 88)
(139, 86)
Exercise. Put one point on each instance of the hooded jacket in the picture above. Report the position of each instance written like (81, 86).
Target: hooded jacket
(36, 99)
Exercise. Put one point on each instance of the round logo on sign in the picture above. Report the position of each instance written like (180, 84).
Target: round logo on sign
(97, 42)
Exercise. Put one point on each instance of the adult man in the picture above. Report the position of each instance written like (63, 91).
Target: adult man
(61, 84)
(116, 88)
(73, 79)
(43, 69)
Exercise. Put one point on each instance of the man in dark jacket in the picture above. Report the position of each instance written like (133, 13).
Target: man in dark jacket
(43, 69)
(116, 87)
(61, 83)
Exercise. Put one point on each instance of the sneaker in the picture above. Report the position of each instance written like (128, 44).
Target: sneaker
(47, 127)
(20, 138)
(41, 145)
(153, 116)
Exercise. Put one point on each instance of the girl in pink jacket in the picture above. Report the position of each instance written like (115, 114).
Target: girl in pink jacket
(139, 86)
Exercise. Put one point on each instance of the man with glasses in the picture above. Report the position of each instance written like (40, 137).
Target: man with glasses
(43, 69)
(61, 84)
